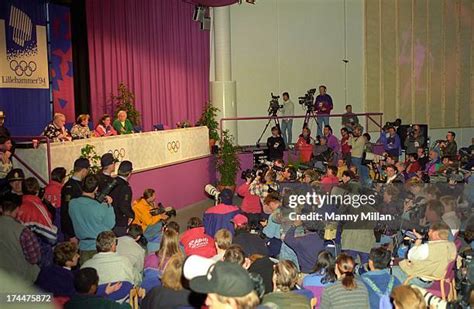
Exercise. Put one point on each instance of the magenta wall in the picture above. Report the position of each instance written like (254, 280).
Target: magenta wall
(177, 185)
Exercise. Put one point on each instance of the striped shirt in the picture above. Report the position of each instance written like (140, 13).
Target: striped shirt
(337, 296)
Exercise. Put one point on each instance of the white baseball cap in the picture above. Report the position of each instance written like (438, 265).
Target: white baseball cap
(195, 266)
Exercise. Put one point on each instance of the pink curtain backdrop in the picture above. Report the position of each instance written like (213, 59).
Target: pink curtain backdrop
(157, 50)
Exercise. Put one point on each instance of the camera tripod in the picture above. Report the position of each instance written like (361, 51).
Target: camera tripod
(274, 118)
(310, 114)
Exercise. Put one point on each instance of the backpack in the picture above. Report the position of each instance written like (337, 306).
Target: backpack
(384, 302)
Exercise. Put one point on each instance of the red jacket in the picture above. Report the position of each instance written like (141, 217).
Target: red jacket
(305, 149)
(52, 193)
(34, 215)
(195, 241)
(250, 203)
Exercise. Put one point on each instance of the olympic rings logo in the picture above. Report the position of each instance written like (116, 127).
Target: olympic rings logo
(118, 153)
(173, 146)
(23, 67)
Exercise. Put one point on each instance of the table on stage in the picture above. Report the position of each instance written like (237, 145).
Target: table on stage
(148, 150)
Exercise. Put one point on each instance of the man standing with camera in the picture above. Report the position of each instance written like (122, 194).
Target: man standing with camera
(414, 139)
(288, 109)
(122, 199)
(324, 106)
(89, 217)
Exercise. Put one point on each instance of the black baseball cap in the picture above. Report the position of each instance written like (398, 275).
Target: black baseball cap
(125, 167)
(82, 163)
(16, 174)
(107, 159)
(225, 279)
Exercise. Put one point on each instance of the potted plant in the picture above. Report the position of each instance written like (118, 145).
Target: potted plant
(208, 119)
(228, 163)
(89, 152)
(125, 101)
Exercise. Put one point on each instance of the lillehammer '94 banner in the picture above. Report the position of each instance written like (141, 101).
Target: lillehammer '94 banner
(23, 45)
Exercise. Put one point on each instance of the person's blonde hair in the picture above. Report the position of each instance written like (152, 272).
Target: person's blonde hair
(173, 273)
(285, 275)
(223, 239)
(249, 301)
(406, 297)
(169, 247)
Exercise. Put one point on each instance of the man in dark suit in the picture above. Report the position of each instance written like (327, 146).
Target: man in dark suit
(72, 189)
(122, 199)
(107, 162)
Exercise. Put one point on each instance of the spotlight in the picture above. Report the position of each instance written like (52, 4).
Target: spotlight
(199, 13)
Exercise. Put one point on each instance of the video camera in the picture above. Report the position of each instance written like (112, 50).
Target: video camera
(308, 99)
(274, 105)
(103, 194)
(169, 211)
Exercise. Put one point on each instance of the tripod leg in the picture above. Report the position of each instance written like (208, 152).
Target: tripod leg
(263, 132)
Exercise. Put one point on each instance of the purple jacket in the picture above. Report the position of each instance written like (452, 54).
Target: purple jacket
(333, 143)
(306, 248)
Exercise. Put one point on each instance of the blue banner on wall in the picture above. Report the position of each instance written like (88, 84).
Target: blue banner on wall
(24, 82)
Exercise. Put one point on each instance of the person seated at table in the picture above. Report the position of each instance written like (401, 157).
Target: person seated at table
(104, 127)
(123, 125)
(81, 129)
(56, 131)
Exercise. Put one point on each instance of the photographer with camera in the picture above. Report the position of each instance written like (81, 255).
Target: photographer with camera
(218, 217)
(147, 213)
(324, 106)
(414, 139)
(276, 145)
(427, 260)
(288, 109)
(250, 205)
(89, 217)
(449, 147)
(263, 184)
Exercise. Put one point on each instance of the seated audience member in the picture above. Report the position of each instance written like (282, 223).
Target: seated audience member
(14, 190)
(59, 277)
(430, 259)
(72, 189)
(422, 157)
(142, 209)
(345, 146)
(169, 246)
(35, 215)
(81, 129)
(111, 266)
(218, 217)
(107, 164)
(391, 142)
(332, 140)
(250, 205)
(86, 282)
(52, 192)
(321, 275)
(235, 254)
(263, 266)
(449, 215)
(433, 212)
(262, 186)
(330, 178)
(276, 145)
(306, 246)
(285, 277)
(227, 285)
(171, 293)
(349, 119)
(407, 297)
(195, 240)
(434, 163)
(89, 217)
(128, 247)
(393, 176)
(222, 240)
(251, 243)
(104, 127)
(347, 292)
(122, 198)
(56, 131)
(378, 280)
(341, 168)
(5, 159)
(304, 145)
(20, 251)
(449, 147)
(412, 164)
(4, 132)
(123, 125)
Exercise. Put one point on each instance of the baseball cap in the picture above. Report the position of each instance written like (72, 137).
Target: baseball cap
(195, 266)
(227, 197)
(240, 219)
(107, 159)
(225, 279)
(16, 174)
(82, 163)
(125, 167)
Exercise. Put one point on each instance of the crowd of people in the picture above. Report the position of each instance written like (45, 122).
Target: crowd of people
(85, 240)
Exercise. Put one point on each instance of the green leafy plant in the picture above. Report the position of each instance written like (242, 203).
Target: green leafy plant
(228, 163)
(208, 119)
(125, 101)
(89, 152)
